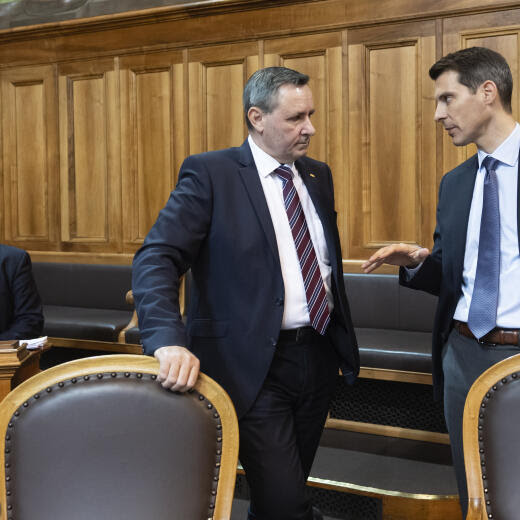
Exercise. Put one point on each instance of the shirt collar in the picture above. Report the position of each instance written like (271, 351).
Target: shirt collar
(265, 164)
(507, 152)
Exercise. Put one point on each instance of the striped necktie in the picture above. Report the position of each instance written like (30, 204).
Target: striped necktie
(482, 314)
(313, 282)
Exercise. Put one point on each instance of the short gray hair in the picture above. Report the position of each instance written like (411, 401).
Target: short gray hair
(262, 88)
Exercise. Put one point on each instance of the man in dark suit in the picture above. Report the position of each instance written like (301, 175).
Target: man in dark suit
(20, 306)
(268, 317)
(474, 266)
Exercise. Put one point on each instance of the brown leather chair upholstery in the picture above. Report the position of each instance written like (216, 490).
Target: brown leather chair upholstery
(492, 442)
(100, 438)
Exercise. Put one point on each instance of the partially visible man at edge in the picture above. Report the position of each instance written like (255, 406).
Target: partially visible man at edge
(474, 266)
(21, 314)
(268, 316)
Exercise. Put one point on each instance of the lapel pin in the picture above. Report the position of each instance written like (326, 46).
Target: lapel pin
(312, 175)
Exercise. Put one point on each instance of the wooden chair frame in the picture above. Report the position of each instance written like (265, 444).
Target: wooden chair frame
(133, 363)
(476, 497)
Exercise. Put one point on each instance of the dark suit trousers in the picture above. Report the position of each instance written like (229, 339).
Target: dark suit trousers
(280, 434)
(463, 360)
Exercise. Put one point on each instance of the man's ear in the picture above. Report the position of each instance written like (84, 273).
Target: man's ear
(256, 118)
(489, 91)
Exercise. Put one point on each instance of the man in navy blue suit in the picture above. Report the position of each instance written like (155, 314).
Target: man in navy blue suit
(20, 306)
(474, 266)
(268, 316)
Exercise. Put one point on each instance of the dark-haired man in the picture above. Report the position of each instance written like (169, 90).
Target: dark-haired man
(268, 316)
(474, 266)
(21, 314)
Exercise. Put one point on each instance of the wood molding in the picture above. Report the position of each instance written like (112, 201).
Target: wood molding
(386, 374)
(387, 431)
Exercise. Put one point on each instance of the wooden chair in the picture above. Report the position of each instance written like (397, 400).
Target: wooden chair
(100, 438)
(492, 442)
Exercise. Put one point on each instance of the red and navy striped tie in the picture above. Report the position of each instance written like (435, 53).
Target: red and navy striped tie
(312, 280)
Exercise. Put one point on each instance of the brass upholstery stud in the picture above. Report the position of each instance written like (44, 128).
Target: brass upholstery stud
(154, 377)
(210, 406)
(113, 374)
(86, 378)
(201, 397)
(100, 376)
(139, 376)
(61, 384)
(494, 387)
(73, 380)
(7, 437)
(514, 376)
(504, 381)
(127, 374)
(17, 413)
(48, 389)
(26, 404)
(36, 396)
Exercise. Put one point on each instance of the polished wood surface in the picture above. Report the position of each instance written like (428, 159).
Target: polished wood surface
(16, 365)
(98, 114)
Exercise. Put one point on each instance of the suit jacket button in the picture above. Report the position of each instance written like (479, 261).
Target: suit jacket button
(273, 341)
(279, 301)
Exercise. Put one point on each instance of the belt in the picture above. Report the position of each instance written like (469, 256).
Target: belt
(296, 335)
(494, 337)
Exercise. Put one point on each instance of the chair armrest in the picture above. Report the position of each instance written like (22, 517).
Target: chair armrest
(133, 320)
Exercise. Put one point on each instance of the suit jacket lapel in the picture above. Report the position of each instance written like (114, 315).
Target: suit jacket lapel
(464, 196)
(250, 178)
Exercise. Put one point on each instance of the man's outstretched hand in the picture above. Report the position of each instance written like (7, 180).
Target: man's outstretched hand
(405, 255)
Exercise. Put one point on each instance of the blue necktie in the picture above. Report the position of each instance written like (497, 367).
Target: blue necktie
(483, 309)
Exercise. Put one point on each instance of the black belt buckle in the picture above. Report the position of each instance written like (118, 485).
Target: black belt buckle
(294, 335)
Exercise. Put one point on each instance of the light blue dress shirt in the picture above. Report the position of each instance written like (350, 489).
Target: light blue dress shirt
(508, 312)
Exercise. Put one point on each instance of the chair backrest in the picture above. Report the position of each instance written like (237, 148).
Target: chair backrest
(492, 442)
(100, 438)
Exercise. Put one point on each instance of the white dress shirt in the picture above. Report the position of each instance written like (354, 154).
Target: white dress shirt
(296, 312)
(508, 312)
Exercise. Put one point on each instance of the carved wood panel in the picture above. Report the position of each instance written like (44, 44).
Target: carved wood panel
(391, 139)
(217, 76)
(90, 178)
(154, 137)
(29, 157)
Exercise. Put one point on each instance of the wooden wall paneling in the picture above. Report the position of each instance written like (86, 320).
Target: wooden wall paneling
(90, 172)
(321, 57)
(217, 76)
(30, 157)
(498, 31)
(391, 138)
(154, 138)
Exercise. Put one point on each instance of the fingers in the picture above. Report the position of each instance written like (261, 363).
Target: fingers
(396, 254)
(178, 368)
